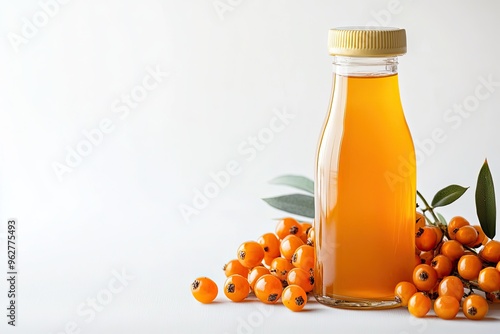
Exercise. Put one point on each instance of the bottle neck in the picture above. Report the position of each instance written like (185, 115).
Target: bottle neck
(365, 66)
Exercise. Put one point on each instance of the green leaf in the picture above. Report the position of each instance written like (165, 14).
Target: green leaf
(442, 220)
(296, 181)
(299, 204)
(485, 201)
(448, 195)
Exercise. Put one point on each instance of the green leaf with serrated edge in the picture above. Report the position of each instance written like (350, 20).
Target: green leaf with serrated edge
(485, 201)
(448, 195)
(295, 181)
(299, 204)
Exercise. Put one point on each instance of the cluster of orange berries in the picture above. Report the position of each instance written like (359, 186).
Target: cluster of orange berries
(276, 266)
(451, 259)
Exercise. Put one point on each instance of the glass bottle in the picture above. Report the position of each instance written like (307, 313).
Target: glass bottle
(365, 181)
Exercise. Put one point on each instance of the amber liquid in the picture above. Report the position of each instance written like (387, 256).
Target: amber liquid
(365, 192)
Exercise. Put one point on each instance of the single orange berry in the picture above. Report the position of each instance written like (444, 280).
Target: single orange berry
(302, 278)
(454, 224)
(439, 233)
(498, 266)
(288, 246)
(417, 259)
(287, 226)
(236, 288)
(451, 286)
(466, 235)
(303, 257)
(475, 307)
(268, 260)
(489, 279)
(452, 249)
(310, 237)
(469, 266)
(491, 251)
(256, 273)
(250, 254)
(426, 257)
(419, 304)
(268, 289)
(442, 265)
(425, 238)
(305, 229)
(234, 267)
(204, 290)
(270, 243)
(403, 292)
(481, 238)
(419, 220)
(424, 277)
(446, 307)
(280, 267)
(294, 298)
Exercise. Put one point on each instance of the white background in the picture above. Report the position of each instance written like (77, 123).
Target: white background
(229, 70)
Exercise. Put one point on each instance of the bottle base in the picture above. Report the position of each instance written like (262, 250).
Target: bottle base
(355, 303)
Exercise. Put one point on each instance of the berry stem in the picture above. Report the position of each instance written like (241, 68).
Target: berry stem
(428, 208)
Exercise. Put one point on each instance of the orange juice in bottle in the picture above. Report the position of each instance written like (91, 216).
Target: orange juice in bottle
(365, 175)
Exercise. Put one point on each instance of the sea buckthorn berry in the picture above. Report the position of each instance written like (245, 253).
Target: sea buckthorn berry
(419, 304)
(466, 235)
(419, 220)
(289, 245)
(403, 292)
(489, 279)
(234, 267)
(491, 251)
(426, 257)
(439, 233)
(287, 226)
(469, 266)
(481, 238)
(236, 288)
(250, 254)
(294, 298)
(446, 307)
(268, 260)
(310, 237)
(270, 243)
(268, 289)
(425, 238)
(305, 229)
(451, 286)
(417, 259)
(424, 277)
(303, 257)
(475, 307)
(204, 290)
(452, 249)
(498, 266)
(302, 278)
(454, 224)
(280, 267)
(256, 273)
(442, 265)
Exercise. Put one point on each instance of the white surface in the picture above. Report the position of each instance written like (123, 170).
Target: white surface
(118, 209)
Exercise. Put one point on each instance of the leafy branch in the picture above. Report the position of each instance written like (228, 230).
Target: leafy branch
(303, 204)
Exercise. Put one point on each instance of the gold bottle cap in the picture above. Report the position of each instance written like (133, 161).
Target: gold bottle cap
(367, 41)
